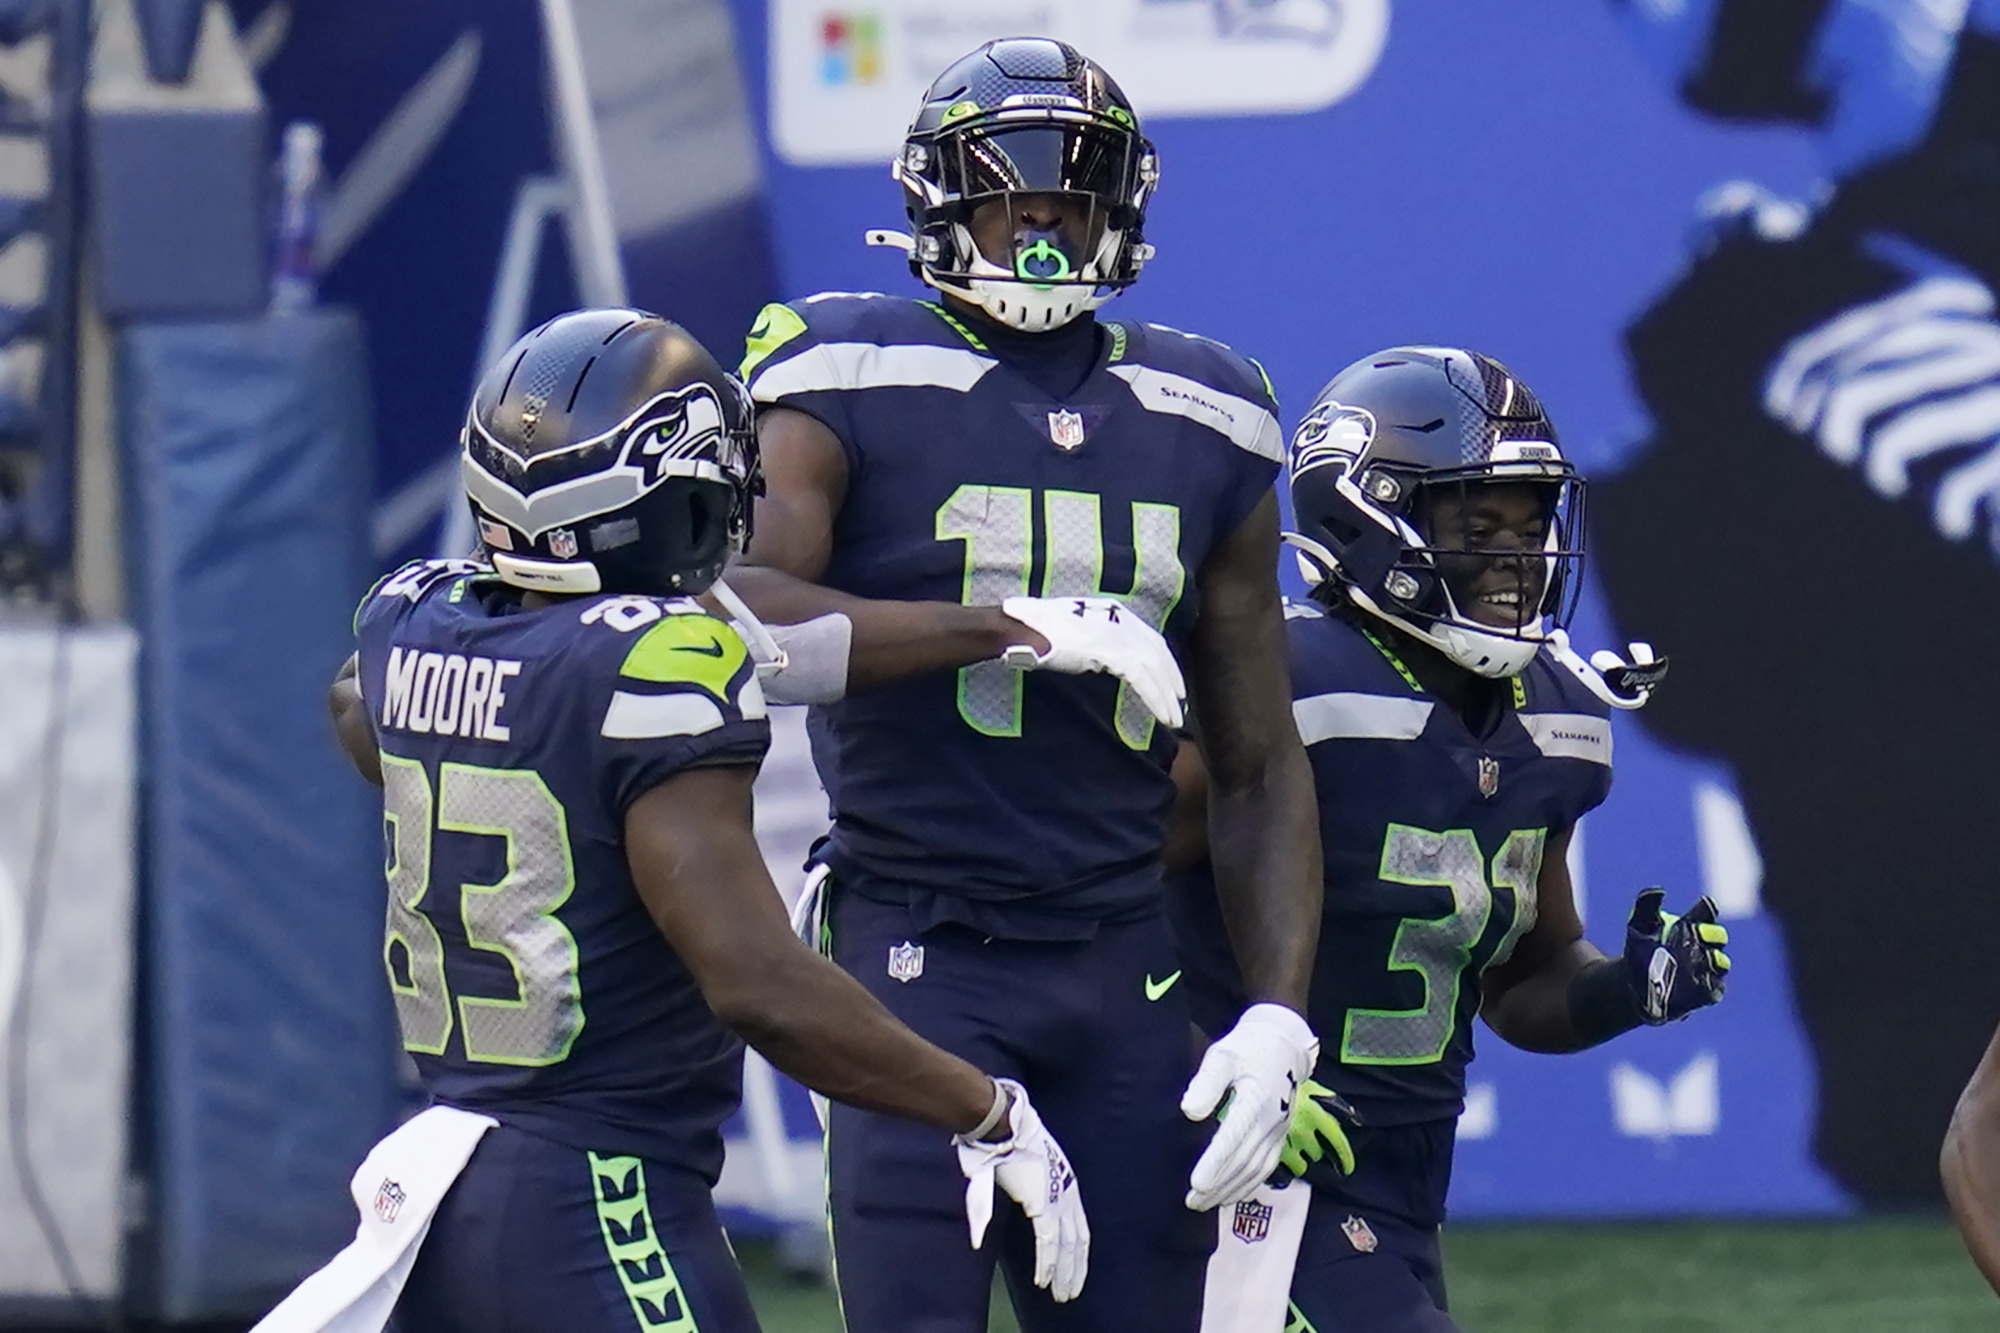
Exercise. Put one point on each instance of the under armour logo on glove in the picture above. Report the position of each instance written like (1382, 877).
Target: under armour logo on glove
(1100, 634)
(1911, 378)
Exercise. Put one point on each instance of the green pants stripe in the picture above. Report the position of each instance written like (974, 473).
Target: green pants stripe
(636, 1254)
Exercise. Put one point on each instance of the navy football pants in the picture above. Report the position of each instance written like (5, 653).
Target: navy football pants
(535, 1237)
(1106, 1067)
(1364, 1265)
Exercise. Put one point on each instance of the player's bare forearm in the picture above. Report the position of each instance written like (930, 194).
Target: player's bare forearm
(351, 722)
(696, 864)
(805, 478)
(1970, 1165)
(891, 640)
(1526, 1000)
(1263, 825)
(819, 1026)
(1532, 1011)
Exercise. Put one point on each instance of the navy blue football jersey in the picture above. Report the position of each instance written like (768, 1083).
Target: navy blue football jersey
(998, 795)
(1433, 841)
(529, 981)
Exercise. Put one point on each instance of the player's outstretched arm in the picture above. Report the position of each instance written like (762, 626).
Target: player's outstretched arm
(1558, 993)
(351, 722)
(1263, 831)
(836, 643)
(695, 861)
(805, 478)
(1970, 1164)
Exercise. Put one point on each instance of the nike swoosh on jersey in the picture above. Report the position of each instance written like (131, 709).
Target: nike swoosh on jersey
(712, 650)
(1155, 989)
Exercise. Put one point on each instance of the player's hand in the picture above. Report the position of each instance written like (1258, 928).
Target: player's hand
(1675, 963)
(1100, 634)
(1029, 1164)
(1259, 1065)
(1320, 1120)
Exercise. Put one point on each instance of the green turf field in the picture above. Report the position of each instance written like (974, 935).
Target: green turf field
(1859, 1277)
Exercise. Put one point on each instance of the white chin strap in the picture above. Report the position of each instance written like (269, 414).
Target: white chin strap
(1490, 655)
(1592, 673)
(556, 576)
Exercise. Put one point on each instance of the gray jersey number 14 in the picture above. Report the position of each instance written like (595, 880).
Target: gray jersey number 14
(997, 525)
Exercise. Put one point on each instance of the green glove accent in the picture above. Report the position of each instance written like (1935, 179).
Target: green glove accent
(1320, 1120)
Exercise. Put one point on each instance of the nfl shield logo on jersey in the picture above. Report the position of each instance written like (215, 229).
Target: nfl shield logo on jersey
(906, 961)
(1489, 776)
(1066, 429)
(562, 544)
(1252, 1221)
(1359, 1234)
(389, 1197)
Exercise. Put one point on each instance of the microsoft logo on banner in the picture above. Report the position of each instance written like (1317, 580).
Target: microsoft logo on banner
(845, 75)
(1688, 1104)
(850, 48)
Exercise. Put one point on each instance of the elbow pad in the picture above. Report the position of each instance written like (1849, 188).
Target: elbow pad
(804, 663)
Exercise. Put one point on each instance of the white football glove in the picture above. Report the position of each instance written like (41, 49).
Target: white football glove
(1030, 1165)
(1259, 1064)
(1100, 634)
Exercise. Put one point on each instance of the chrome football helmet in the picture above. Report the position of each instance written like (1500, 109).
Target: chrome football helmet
(608, 452)
(1393, 455)
(1026, 116)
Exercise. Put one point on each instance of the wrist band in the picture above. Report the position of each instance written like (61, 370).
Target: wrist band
(998, 1109)
(1601, 1002)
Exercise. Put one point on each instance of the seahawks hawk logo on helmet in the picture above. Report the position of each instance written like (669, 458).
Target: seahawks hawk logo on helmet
(1331, 433)
(608, 452)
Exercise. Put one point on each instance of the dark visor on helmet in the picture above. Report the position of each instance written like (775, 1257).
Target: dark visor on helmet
(1042, 159)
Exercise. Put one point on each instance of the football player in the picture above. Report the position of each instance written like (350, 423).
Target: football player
(994, 523)
(581, 931)
(1455, 740)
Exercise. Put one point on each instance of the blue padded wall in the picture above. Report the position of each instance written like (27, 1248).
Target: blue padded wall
(269, 1036)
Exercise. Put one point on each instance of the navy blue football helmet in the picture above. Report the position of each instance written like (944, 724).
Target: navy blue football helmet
(1383, 441)
(1027, 116)
(608, 452)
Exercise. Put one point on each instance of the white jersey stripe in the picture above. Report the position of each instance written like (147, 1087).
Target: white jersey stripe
(1247, 425)
(832, 366)
(638, 717)
(1349, 717)
(1570, 735)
